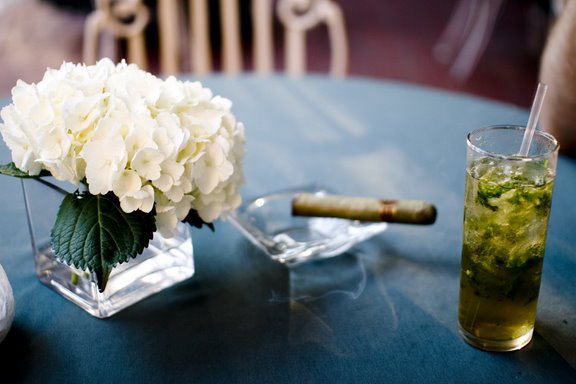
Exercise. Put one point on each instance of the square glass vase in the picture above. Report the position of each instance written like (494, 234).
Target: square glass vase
(165, 262)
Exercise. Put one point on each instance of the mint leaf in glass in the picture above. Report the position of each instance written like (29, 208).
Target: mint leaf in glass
(92, 232)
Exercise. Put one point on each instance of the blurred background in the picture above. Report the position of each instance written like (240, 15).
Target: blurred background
(393, 39)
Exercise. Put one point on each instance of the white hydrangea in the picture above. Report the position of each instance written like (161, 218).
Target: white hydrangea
(157, 143)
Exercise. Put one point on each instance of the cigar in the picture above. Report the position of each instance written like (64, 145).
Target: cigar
(364, 208)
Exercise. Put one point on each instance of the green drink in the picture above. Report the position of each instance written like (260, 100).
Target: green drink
(506, 210)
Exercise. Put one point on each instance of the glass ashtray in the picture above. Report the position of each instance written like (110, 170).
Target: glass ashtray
(268, 222)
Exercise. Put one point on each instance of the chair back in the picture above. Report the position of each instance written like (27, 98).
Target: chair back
(113, 21)
(184, 34)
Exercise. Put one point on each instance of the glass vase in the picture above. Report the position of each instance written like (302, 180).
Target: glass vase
(165, 262)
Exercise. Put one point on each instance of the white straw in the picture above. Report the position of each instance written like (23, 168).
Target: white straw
(533, 118)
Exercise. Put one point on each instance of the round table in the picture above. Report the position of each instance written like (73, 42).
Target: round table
(384, 311)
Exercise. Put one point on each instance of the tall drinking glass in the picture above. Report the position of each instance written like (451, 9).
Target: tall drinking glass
(506, 210)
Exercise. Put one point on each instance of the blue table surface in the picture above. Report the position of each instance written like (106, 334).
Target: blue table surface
(388, 310)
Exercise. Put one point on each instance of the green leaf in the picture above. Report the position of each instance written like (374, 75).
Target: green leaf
(194, 219)
(10, 169)
(487, 191)
(92, 232)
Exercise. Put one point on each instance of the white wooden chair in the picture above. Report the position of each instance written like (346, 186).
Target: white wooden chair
(113, 21)
(188, 21)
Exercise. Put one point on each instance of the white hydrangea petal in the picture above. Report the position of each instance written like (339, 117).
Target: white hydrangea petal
(209, 212)
(104, 161)
(24, 96)
(164, 182)
(175, 194)
(182, 207)
(81, 113)
(141, 135)
(222, 102)
(54, 144)
(147, 163)
(166, 222)
(208, 180)
(127, 183)
(142, 199)
(226, 170)
(25, 159)
(42, 113)
(215, 155)
(208, 119)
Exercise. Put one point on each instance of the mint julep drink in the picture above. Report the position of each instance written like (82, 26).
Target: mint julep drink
(506, 211)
